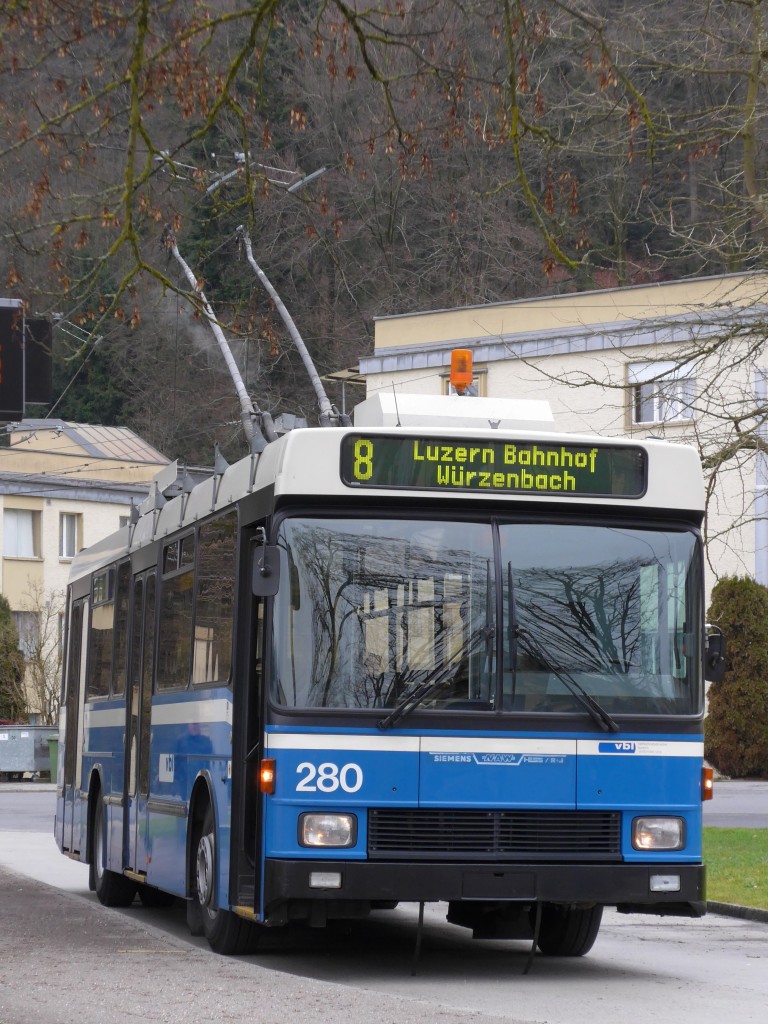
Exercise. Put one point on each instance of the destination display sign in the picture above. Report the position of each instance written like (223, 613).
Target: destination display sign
(493, 466)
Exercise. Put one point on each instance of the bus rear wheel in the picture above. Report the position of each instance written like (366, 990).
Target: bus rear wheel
(568, 931)
(112, 889)
(227, 933)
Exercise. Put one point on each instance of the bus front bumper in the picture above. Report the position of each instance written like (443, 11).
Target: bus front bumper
(674, 889)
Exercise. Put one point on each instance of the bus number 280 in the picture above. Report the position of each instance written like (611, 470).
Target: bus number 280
(328, 777)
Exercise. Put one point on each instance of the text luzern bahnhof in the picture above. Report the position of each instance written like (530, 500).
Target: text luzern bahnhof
(502, 466)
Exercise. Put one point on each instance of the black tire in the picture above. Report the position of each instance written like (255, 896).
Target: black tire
(227, 933)
(152, 897)
(112, 889)
(195, 916)
(568, 931)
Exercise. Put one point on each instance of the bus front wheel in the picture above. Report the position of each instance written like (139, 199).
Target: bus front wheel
(568, 931)
(227, 933)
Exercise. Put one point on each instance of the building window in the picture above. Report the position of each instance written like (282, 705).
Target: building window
(479, 384)
(661, 392)
(28, 628)
(69, 530)
(21, 533)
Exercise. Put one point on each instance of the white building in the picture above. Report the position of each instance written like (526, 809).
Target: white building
(682, 360)
(63, 486)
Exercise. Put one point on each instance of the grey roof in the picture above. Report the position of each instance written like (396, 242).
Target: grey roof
(72, 489)
(101, 442)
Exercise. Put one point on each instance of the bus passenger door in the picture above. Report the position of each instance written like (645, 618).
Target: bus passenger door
(248, 731)
(73, 726)
(139, 711)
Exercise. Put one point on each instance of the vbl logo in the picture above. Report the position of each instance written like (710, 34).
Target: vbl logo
(617, 747)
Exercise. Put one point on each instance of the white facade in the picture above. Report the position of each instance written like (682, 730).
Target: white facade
(682, 361)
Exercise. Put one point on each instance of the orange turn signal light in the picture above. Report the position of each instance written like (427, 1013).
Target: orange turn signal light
(461, 369)
(267, 775)
(707, 783)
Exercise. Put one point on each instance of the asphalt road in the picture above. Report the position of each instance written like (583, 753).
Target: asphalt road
(738, 803)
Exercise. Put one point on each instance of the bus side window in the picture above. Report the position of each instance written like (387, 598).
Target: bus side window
(214, 600)
(121, 628)
(174, 639)
(101, 635)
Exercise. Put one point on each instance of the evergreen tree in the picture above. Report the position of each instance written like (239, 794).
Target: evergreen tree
(12, 703)
(736, 729)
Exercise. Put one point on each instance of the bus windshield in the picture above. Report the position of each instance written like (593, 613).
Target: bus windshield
(440, 615)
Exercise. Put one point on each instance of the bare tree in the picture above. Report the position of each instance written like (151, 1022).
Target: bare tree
(44, 653)
(478, 150)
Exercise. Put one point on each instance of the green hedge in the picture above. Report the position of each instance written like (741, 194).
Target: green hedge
(736, 729)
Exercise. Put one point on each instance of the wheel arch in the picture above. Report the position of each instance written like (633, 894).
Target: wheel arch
(95, 787)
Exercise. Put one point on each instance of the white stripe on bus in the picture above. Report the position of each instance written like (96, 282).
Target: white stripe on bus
(484, 745)
(193, 711)
(104, 718)
(185, 712)
(415, 744)
(332, 741)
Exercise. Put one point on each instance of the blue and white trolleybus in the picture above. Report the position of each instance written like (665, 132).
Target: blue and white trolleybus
(454, 657)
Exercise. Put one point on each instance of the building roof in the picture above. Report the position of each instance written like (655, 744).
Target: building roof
(68, 488)
(96, 441)
(618, 318)
(666, 301)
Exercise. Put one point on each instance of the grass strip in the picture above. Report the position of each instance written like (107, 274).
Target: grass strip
(737, 866)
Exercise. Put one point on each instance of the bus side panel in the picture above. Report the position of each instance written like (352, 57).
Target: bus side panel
(103, 753)
(191, 738)
(167, 850)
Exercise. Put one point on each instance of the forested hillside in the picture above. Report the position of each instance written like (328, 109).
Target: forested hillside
(473, 151)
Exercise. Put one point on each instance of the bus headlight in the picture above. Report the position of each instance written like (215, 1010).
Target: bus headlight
(324, 829)
(658, 833)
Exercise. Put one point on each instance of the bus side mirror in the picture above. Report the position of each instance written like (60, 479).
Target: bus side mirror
(266, 567)
(714, 655)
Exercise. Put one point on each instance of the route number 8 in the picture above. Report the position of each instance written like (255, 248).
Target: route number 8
(363, 468)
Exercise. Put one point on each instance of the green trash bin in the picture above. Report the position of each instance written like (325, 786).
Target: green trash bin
(53, 752)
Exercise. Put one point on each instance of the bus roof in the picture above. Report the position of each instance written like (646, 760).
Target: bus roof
(319, 463)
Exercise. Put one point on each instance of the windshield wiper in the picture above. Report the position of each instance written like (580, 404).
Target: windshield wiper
(437, 677)
(596, 710)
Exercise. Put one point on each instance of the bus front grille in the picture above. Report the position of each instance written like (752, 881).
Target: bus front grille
(396, 833)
